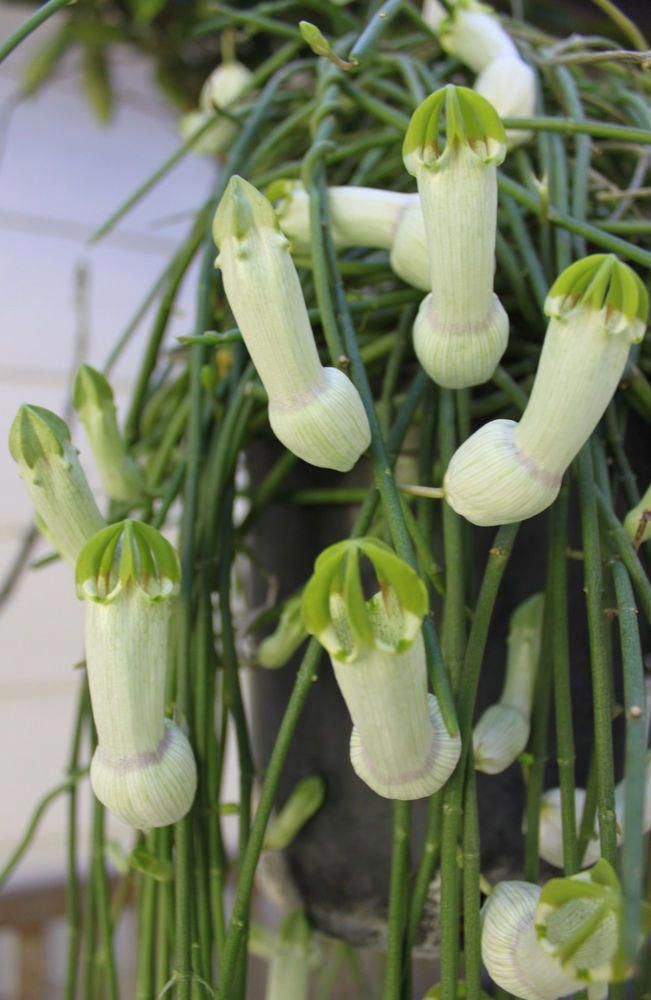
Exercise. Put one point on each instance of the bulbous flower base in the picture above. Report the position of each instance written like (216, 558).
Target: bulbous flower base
(460, 355)
(326, 426)
(436, 768)
(150, 788)
(491, 481)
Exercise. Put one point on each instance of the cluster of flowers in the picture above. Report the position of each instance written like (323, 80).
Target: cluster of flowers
(143, 768)
(538, 943)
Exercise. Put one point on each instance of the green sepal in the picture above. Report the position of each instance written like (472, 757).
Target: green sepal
(604, 283)
(334, 608)
(241, 210)
(469, 119)
(129, 553)
(37, 433)
(599, 885)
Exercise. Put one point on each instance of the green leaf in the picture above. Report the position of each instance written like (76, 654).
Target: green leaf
(97, 82)
(45, 60)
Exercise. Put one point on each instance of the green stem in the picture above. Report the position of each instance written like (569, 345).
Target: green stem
(397, 917)
(453, 795)
(106, 956)
(73, 910)
(598, 130)
(565, 757)
(453, 627)
(30, 25)
(622, 546)
(636, 763)
(471, 861)
(538, 741)
(601, 682)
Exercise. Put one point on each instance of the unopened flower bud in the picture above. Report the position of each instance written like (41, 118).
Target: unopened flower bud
(92, 397)
(48, 462)
(502, 732)
(637, 523)
(220, 91)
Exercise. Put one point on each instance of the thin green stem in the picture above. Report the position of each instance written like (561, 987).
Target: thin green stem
(453, 796)
(621, 545)
(471, 861)
(31, 24)
(73, 909)
(565, 757)
(453, 627)
(397, 917)
(636, 764)
(598, 130)
(538, 742)
(601, 681)
(106, 954)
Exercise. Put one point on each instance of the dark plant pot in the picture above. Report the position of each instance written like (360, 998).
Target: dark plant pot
(340, 861)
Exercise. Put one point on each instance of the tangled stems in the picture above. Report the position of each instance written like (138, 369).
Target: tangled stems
(454, 791)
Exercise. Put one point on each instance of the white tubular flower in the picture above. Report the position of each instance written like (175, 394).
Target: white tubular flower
(461, 330)
(48, 463)
(637, 523)
(399, 745)
(578, 924)
(502, 732)
(510, 949)
(143, 770)
(92, 397)
(472, 33)
(509, 471)
(315, 412)
(361, 217)
(510, 86)
(220, 91)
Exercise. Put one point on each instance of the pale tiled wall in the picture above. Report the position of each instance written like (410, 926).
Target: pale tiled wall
(60, 176)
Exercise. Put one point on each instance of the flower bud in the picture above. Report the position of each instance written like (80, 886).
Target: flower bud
(48, 464)
(92, 398)
(509, 471)
(305, 800)
(471, 32)
(637, 523)
(143, 769)
(278, 648)
(461, 330)
(399, 745)
(361, 217)
(502, 732)
(510, 949)
(315, 412)
(220, 90)
(510, 86)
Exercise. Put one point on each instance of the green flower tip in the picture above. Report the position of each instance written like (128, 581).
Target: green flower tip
(603, 283)
(529, 614)
(337, 613)
(241, 210)
(314, 38)
(295, 930)
(126, 554)
(37, 433)
(304, 801)
(436, 992)
(279, 191)
(91, 389)
(469, 118)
